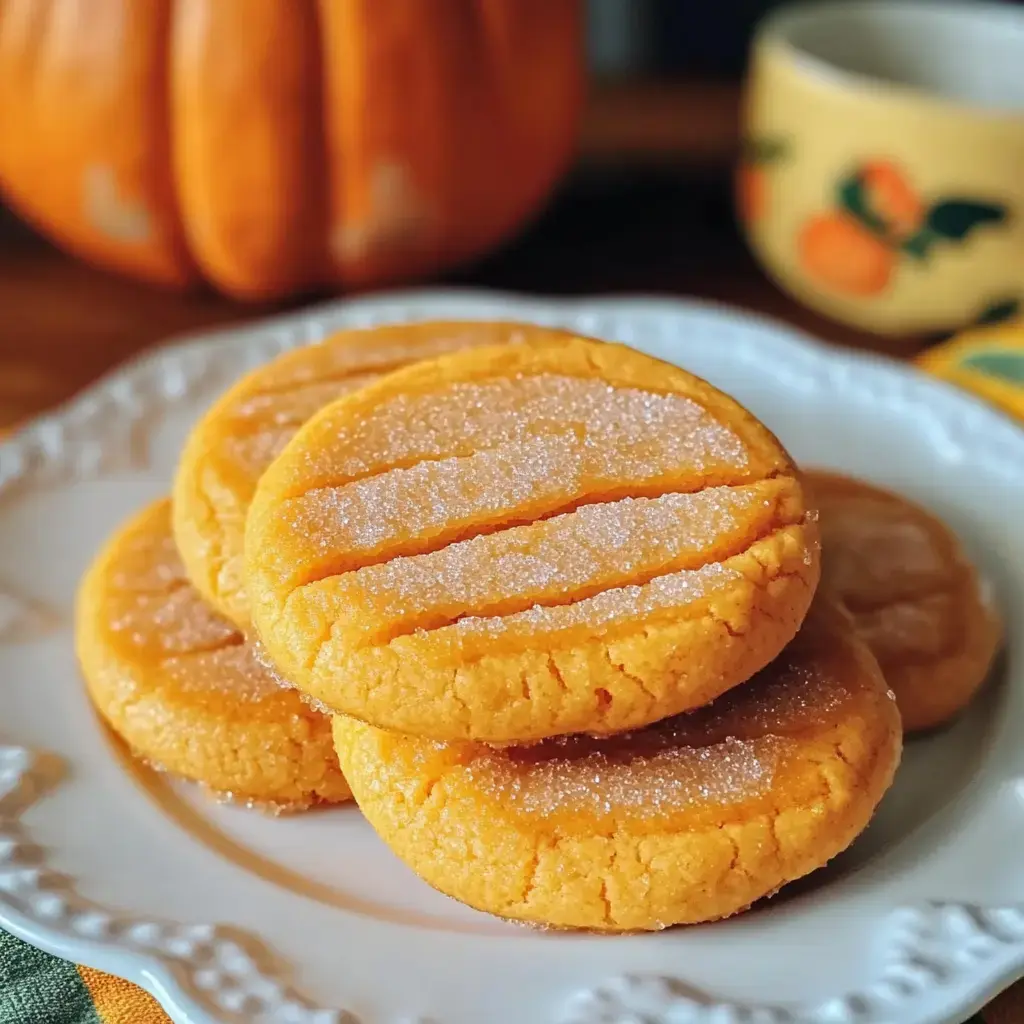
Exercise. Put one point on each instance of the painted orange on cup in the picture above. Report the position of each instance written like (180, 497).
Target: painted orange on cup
(840, 253)
(751, 192)
(752, 176)
(889, 195)
(879, 219)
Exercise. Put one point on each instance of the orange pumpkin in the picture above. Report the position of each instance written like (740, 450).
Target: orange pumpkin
(271, 146)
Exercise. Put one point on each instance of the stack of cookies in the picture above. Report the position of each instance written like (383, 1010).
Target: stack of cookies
(557, 605)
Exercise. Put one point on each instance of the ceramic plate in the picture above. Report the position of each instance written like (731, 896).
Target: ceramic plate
(226, 915)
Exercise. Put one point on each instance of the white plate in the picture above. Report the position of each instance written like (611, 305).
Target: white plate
(225, 915)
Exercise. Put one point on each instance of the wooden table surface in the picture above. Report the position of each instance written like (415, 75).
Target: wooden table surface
(650, 211)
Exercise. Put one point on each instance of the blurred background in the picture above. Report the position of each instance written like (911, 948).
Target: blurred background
(665, 39)
(646, 207)
(641, 199)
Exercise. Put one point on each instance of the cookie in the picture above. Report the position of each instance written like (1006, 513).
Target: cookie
(182, 687)
(915, 598)
(517, 542)
(688, 820)
(241, 434)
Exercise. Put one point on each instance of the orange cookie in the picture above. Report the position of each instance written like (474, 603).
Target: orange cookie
(688, 820)
(517, 542)
(252, 422)
(181, 686)
(915, 598)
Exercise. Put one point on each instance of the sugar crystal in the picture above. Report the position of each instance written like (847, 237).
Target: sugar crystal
(628, 777)
(915, 629)
(153, 610)
(231, 670)
(873, 557)
(507, 484)
(618, 605)
(571, 556)
(466, 417)
(730, 751)
(283, 395)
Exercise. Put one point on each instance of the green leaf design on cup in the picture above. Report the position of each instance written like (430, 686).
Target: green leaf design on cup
(998, 312)
(955, 219)
(852, 197)
(920, 244)
(764, 150)
(1006, 365)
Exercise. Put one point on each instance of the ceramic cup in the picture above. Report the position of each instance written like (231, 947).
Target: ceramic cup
(882, 176)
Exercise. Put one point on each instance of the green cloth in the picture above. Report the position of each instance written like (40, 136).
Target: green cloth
(36, 988)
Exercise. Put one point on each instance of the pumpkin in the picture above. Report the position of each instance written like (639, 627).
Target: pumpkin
(272, 146)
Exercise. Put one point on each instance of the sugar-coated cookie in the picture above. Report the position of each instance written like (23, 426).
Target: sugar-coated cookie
(688, 820)
(182, 687)
(242, 433)
(517, 542)
(915, 598)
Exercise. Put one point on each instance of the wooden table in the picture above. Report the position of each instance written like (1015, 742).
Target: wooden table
(650, 211)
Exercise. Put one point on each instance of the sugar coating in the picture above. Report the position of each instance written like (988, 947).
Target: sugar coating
(290, 407)
(616, 606)
(550, 442)
(250, 454)
(154, 607)
(361, 355)
(877, 558)
(262, 657)
(149, 562)
(413, 552)
(261, 425)
(918, 629)
(270, 669)
(232, 671)
(914, 597)
(183, 688)
(435, 500)
(795, 695)
(657, 429)
(258, 421)
(251, 424)
(560, 559)
(317, 705)
(617, 780)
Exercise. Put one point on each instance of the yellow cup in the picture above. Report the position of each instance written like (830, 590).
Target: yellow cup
(882, 177)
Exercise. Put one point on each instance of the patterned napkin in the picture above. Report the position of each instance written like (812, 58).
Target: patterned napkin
(36, 988)
(988, 361)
